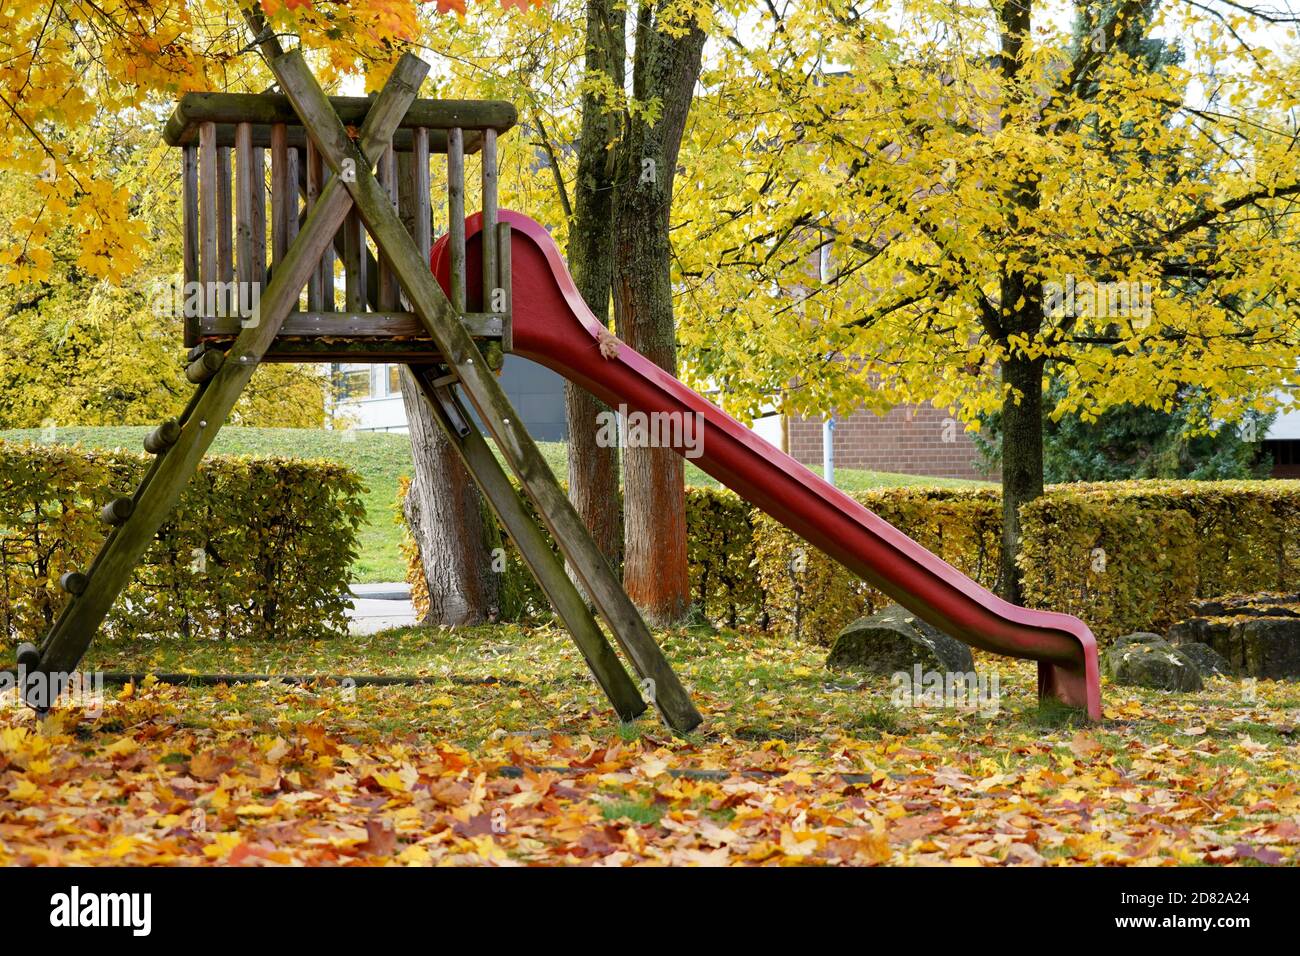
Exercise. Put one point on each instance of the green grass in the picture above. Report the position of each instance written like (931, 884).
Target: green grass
(382, 458)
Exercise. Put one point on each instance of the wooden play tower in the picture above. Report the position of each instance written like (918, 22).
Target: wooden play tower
(343, 169)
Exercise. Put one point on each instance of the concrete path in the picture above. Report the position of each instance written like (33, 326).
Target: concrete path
(377, 607)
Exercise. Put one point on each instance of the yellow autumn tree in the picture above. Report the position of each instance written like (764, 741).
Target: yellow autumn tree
(932, 201)
(89, 197)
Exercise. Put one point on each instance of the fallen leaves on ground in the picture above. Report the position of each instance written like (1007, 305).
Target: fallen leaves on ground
(802, 771)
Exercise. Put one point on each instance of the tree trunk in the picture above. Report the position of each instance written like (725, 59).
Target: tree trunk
(1022, 461)
(1020, 315)
(593, 471)
(447, 518)
(664, 67)
(451, 525)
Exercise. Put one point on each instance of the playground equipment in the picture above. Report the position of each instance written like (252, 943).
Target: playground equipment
(501, 286)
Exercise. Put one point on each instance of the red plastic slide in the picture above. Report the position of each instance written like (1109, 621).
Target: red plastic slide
(553, 326)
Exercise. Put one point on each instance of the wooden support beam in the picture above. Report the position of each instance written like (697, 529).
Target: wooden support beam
(376, 325)
(480, 385)
(157, 496)
(267, 109)
(537, 554)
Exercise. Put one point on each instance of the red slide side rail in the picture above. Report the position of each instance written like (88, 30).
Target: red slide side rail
(554, 327)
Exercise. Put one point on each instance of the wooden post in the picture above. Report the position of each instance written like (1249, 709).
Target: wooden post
(190, 235)
(316, 285)
(388, 290)
(247, 235)
(225, 223)
(258, 196)
(443, 324)
(354, 263)
(456, 215)
(112, 569)
(293, 173)
(280, 186)
(208, 215)
(507, 290)
(420, 191)
(491, 280)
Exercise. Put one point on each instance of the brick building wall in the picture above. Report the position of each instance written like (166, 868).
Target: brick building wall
(910, 440)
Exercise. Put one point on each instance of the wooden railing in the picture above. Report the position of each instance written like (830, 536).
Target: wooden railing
(229, 253)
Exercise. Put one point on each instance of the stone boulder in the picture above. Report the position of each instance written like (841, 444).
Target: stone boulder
(894, 639)
(1207, 660)
(1257, 635)
(1271, 647)
(1148, 660)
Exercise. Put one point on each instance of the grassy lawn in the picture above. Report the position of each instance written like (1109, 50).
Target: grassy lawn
(381, 458)
(512, 756)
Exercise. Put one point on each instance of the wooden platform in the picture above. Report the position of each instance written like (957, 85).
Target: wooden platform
(353, 336)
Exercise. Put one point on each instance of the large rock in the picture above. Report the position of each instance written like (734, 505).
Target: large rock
(1207, 660)
(1148, 660)
(1257, 635)
(1270, 647)
(1213, 633)
(893, 640)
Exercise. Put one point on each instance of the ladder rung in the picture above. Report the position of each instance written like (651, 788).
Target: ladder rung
(205, 366)
(73, 582)
(162, 437)
(117, 511)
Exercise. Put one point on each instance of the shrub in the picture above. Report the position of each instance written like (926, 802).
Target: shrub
(1120, 566)
(1247, 532)
(725, 587)
(812, 596)
(257, 547)
(1123, 556)
(1162, 544)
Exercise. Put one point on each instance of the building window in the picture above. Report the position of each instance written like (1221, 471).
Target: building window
(354, 382)
(1286, 452)
(394, 380)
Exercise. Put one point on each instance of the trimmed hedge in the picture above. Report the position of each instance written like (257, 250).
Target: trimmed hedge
(725, 587)
(1119, 565)
(812, 596)
(1123, 556)
(1200, 539)
(257, 548)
